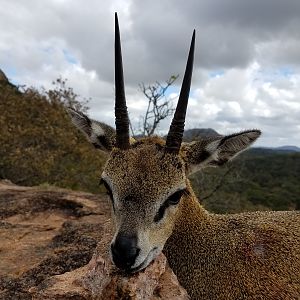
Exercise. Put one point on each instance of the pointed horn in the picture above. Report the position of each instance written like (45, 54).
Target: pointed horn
(121, 115)
(175, 134)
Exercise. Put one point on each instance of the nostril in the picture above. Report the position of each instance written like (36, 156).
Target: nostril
(113, 250)
(124, 251)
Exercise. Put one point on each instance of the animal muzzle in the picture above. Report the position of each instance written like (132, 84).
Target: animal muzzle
(124, 251)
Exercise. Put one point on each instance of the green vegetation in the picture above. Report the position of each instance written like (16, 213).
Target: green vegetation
(256, 180)
(39, 145)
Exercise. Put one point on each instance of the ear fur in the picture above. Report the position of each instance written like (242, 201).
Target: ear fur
(216, 151)
(101, 135)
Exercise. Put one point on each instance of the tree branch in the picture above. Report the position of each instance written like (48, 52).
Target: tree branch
(158, 107)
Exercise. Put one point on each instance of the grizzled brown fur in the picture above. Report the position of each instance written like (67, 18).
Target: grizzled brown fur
(242, 256)
(235, 256)
(135, 177)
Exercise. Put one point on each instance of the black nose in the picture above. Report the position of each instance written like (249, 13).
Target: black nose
(124, 251)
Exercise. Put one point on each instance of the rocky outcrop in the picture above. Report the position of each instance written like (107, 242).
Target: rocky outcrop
(3, 77)
(99, 280)
(53, 245)
(5, 82)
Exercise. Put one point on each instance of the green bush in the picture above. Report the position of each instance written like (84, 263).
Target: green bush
(39, 144)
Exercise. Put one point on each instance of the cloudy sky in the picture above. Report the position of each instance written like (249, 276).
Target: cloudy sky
(247, 61)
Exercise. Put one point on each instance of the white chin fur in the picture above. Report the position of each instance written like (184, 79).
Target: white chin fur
(138, 266)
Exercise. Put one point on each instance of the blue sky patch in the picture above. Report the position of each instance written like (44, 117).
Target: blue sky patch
(70, 58)
(11, 73)
(216, 73)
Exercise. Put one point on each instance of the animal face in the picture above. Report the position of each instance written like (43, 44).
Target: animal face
(145, 186)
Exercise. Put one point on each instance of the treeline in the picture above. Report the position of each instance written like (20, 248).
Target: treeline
(256, 180)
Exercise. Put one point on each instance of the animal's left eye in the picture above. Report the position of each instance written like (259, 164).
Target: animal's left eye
(172, 200)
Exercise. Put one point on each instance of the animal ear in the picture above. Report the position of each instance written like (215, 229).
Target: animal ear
(218, 150)
(101, 135)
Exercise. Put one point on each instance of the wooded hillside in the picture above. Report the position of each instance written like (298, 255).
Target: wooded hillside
(39, 145)
(256, 180)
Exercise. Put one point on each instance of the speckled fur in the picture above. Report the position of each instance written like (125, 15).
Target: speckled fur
(136, 175)
(240, 256)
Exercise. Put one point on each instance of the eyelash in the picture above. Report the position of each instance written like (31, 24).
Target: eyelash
(172, 200)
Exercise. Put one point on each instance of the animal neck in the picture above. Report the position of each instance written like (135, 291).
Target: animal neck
(192, 221)
(191, 214)
(185, 248)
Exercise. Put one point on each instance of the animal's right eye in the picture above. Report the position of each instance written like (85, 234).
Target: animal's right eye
(108, 190)
(172, 200)
(160, 214)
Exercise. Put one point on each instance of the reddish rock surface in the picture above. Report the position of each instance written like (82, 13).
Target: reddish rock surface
(99, 280)
(53, 245)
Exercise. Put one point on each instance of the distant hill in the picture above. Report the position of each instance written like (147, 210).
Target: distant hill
(195, 133)
(288, 149)
(281, 149)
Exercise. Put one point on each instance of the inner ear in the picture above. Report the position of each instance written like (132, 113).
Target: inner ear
(101, 135)
(233, 144)
(218, 150)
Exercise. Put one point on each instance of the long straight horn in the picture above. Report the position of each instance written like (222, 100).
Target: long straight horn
(121, 115)
(175, 134)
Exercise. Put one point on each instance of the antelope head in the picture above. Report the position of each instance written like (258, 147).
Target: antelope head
(147, 179)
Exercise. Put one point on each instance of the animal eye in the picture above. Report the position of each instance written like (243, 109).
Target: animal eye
(172, 200)
(108, 190)
(175, 198)
(159, 215)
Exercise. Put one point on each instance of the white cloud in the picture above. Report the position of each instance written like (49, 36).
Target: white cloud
(241, 99)
(246, 73)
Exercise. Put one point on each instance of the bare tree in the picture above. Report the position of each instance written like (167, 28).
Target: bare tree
(159, 106)
(66, 95)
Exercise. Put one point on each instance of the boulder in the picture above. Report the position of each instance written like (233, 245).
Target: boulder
(54, 245)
